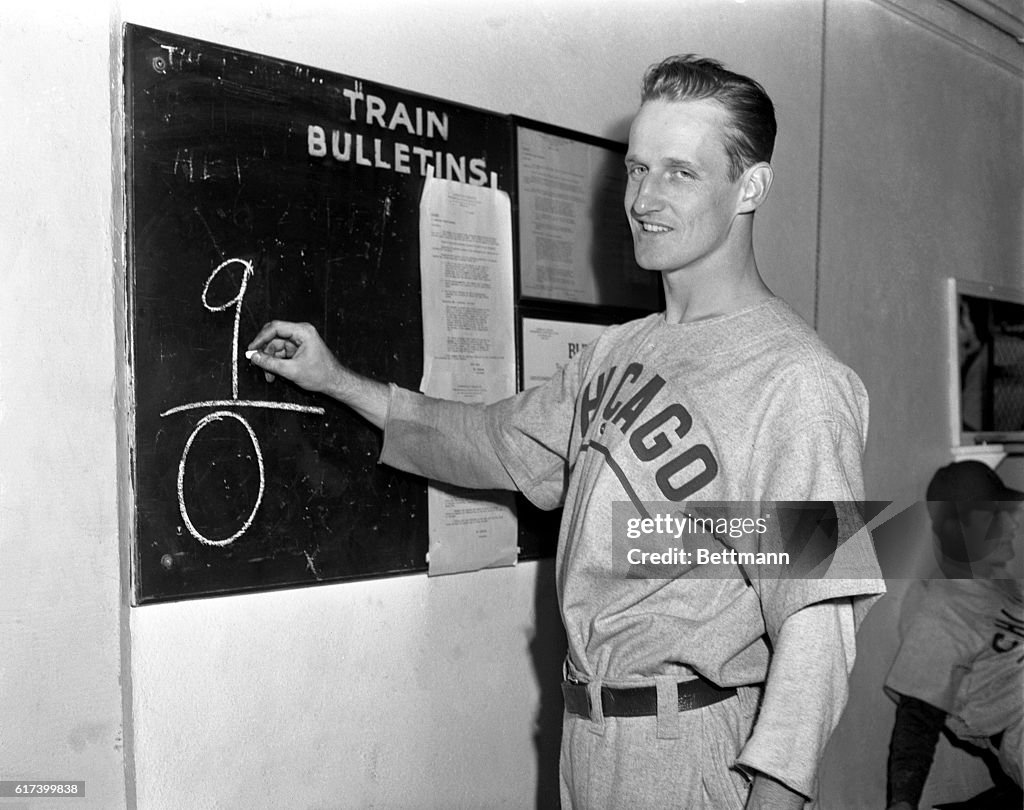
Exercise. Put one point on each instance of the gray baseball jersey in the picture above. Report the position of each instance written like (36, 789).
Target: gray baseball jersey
(742, 408)
(962, 651)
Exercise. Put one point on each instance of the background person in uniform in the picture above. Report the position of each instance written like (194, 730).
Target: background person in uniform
(699, 691)
(960, 664)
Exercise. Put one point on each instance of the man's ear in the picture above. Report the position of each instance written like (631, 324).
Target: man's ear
(755, 185)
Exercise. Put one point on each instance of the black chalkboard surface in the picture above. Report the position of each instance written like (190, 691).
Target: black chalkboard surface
(259, 189)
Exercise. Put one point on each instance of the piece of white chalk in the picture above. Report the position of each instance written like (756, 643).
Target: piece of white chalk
(252, 353)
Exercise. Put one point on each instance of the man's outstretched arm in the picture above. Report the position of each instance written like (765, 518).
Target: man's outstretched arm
(438, 439)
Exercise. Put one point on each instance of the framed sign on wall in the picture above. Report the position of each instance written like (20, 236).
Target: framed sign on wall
(261, 189)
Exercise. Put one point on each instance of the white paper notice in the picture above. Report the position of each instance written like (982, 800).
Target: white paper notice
(468, 354)
(549, 345)
(575, 244)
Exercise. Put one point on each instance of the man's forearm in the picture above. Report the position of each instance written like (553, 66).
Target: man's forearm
(366, 397)
(914, 737)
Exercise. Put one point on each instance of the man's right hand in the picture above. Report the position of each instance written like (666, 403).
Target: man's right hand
(296, 352)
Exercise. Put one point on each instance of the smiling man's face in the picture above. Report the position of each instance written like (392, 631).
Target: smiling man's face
(680, 200)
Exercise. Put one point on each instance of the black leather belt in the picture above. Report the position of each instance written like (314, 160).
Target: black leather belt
(641, 701)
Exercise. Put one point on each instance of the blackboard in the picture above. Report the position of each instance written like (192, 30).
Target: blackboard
(258, 189)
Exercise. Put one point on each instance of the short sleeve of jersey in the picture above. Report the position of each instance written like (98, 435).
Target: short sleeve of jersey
(819, 469)
(522, 442)
(932, 657)
(532, 434)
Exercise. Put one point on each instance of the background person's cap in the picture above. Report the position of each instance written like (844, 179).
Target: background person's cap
(964, 485)
(971, 481)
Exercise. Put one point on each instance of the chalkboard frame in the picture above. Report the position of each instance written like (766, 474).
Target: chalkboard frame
(173, 566)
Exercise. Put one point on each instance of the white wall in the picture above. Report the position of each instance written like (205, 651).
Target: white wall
(921, 181)
(61, 614)
(409, 692)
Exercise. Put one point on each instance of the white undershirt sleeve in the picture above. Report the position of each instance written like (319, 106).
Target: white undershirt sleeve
(805, 694)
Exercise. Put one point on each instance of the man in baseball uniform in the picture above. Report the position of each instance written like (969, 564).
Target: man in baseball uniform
(960, 664)
(705, 689)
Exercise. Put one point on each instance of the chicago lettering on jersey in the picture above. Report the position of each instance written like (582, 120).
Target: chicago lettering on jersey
(1010, 635)
(683, 467)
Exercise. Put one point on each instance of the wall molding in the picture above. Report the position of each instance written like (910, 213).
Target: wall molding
(952, 21)
(995, 14)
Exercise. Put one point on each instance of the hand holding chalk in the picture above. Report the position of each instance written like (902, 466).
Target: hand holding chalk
(251, 355)
(296, 352)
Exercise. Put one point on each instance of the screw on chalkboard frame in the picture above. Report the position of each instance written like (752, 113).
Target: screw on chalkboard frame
(158, 61)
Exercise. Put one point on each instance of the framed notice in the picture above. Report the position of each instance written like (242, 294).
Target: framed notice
(547, 343)
(574, 244)
(550, 344)
(986, 363)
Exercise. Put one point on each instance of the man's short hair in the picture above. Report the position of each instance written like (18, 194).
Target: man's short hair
(750, 135)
